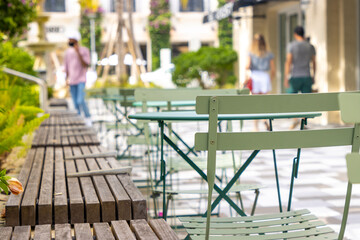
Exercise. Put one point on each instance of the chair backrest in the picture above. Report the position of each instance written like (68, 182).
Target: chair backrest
(213, 141)
(182, 94)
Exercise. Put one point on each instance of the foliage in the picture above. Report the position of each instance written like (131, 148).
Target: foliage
(10, 57)
(86, 15)
(17, 118)
(3, 181)
(218, 62)
(225, 28)
(15, 16)
(159, 29)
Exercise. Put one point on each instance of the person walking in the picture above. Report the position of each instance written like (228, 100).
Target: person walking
(260, 61)
(300, 54)
(76, 62)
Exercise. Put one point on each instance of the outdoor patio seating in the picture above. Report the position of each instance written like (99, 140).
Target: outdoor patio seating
(299, 224)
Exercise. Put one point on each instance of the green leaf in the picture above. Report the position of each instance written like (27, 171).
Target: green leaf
(4, 188)
(3, 172)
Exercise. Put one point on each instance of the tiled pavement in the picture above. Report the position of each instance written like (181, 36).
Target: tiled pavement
(321, 185)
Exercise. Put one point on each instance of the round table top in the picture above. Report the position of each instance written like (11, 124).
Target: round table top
(192, 116)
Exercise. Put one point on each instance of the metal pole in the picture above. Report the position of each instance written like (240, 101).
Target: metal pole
(39, 81)
(92, 41)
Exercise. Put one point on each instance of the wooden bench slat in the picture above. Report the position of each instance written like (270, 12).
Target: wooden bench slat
(63, 232)
(162, 229)
(142, 230)
(28, 205)
(46, 189)
(12, 206)
(107, 201)
(5, 233)
(83, 231)
(77, 211)
(123, 200)
(121, 230)
(138, 202)
(42, 232)
(92, 203)
(21, 233)
(60, 193)
(102, 231)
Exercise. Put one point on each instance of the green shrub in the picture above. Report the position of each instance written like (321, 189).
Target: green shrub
(15, 16)
(218, 62)
(17, 118)
(19, 60)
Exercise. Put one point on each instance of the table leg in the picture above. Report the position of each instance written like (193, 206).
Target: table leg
(222, 193)
(295, 171)
(162, 165)
(276, 171)
(190, 149)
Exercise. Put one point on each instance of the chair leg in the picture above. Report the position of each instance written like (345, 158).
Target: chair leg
(346, 211)
(257, 192)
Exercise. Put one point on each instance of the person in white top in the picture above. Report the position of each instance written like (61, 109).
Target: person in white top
(260, 62)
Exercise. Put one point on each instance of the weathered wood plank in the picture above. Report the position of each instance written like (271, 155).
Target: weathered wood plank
(138, 201)
(123, 200)
(107, 201)
(12, 206)
(46, 189)
(60, 193)
(21, 233)
(142, 230)
(92, 204)
(42, 232)
(28, 205)
(63, 232)
(77, 211)
(5, 233)
(83, 231)
(102, 231)
(121, 230)
(163, 230)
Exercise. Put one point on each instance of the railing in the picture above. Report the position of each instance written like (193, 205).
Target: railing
(39, 81)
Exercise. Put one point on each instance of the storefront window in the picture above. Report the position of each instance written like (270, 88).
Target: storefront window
(54, 6)
(113, 6)
(193, 6)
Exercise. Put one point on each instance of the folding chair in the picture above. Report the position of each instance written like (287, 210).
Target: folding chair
(299, 224)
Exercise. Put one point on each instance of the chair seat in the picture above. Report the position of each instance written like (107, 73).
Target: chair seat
(300, 224)
(234, 189)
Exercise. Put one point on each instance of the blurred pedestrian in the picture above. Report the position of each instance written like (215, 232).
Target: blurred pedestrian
(77, 61)
(260, 61)
(300, 54)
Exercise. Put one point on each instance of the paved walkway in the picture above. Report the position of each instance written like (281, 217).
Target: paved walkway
(321, 185)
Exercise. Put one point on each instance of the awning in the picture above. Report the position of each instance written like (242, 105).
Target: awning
(227, 10)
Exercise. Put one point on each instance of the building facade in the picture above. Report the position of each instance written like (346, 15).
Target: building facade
(332, 26)
(187, 32)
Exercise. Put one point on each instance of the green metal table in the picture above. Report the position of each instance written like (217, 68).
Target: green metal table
(180, 116)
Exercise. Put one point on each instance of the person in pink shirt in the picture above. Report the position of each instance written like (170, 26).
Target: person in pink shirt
(76, 61)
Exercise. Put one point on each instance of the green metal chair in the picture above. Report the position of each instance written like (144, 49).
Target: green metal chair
(299, 224)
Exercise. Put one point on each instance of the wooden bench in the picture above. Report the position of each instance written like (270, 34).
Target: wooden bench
(62, 119)
(51, 197)
(64, 136)
(156, 229)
